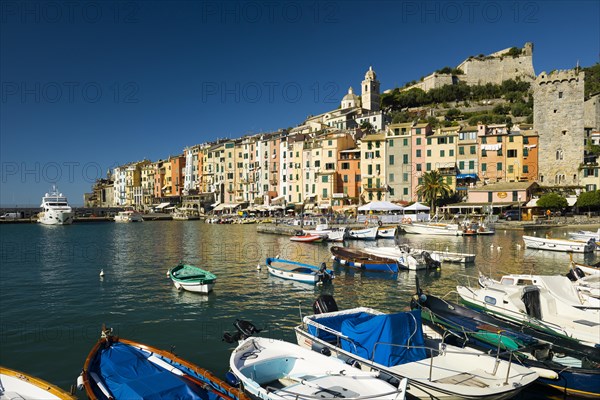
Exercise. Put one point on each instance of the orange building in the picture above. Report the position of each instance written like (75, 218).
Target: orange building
(177, 165)
(348, 177)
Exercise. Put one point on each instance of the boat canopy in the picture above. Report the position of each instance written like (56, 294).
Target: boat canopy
(128, 374)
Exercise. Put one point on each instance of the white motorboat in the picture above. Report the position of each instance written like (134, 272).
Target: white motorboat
(55, 209)
(329, 234)
(363, 233)
(386, 232)
(272, 369)
(585, 235)
(128, 216)
(183, 215)
(433, 227)
(536, 307)
(412, 261)
(439, 256)
(400, 346)
(19, 385)
(566, 245)
(558, 286)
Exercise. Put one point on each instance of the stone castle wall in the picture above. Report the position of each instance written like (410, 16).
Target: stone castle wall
(432, 81)
(558, 119)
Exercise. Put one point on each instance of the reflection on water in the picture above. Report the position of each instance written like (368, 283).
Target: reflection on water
(54, 302)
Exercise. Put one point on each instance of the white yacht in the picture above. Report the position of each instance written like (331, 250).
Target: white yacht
(55, 209)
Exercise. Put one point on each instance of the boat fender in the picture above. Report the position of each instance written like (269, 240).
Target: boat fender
(325, 351)
(353, 363)
(80, 382)
(232, 379)
(545, 373)
(357, 264)
(380, 223)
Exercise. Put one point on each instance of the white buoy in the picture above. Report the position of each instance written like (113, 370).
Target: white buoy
(258, 267)
(101, 272)
(498, 248)
(492, 246)
(277, 256)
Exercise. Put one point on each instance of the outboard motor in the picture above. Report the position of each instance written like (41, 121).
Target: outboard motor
(245, 329)
(324, 276)
(325, 303)
(429, 261)
(575, 274)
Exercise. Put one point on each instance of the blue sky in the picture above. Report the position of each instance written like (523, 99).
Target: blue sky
(87, 86)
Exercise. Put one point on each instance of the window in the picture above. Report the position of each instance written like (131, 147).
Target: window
(525, 151)
(345, 165)
(345, 178)
(525, 169)
(330, 166)
(418, 131)
(499, 139)
(391, 160)
(511, 139)
(428, 141)
(473, 150)
(511, 153)
(483, 167)
(441, 140)
(357, 178)
(428, 167)
(483, 153)
(510, 169)
(405, 159)
(484, 140)
(391, 143)
(451, 139)
(324, 193)
(461, 151)
(461, 165)
(499, 152)
(325, 178)
(419, 167)
(391, 178)
(419, 141)
(317, 163)
(525, 140)
(405, 142)
(499, 167)
(428, 152)
(329, 153)
(377, 155)
(559, 154)
(405, 191)
(490, 197)
(420, 181)
(451, 153)
(471, 165)
(560, 95)
(405, 177)
(369, 170)
(330, 143)
(418, 153)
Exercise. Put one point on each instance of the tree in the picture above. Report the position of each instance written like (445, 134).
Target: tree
(552, 201)
(589, 200)
(433, 187)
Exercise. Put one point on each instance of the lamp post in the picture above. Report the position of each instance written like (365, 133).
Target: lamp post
(519, 198)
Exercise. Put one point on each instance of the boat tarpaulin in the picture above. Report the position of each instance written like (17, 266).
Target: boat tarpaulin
(128, 374)
(386, 339)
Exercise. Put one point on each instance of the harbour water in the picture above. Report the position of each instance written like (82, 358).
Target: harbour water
(53, 301)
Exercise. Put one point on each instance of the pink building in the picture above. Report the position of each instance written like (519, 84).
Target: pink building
(419, 134)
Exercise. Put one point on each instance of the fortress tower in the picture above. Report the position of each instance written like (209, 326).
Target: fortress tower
(558, 119)
(370, 91)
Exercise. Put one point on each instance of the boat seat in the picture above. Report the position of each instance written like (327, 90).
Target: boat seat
(465, 379)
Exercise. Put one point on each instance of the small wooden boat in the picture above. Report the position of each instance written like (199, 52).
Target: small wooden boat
(566, 245)
(306, 238)
(577, 367)
(386, 232)
(363, 233)
(119, 369)
(19, 385)
(411, 260)
(359, 259)
(296, 271)
(192, 279)
(272, 369)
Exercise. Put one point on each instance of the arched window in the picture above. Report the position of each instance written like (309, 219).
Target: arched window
(366, 88)
(559, 154)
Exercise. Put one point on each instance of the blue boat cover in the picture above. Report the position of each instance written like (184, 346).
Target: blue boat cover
(400, 330)
(128, 374)
(334, 323)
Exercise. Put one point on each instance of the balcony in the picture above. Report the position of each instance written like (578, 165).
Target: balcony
(375, 188)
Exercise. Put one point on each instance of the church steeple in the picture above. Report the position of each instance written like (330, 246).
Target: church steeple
(370, 91)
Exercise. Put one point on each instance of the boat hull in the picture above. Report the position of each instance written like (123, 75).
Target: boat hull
(296, 271)
(432, 229)
(386, 233)
(192, 279)
(307, 238)
(364, 261)
(54, 217)
(363, 234)
(19, 385)
(569, 246)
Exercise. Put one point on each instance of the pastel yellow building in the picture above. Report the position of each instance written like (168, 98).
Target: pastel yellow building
(373, 167)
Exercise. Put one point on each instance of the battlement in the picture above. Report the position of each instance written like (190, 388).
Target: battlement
(559, 76)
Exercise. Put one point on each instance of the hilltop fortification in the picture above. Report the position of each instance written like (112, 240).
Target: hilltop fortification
(510, 63)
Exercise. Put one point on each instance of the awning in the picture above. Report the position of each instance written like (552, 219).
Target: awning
(216, 203)
(324, 205)
(228, 206)
(278, 199)
(164, 187)
(162, 205)
(491, 147)
(466, 176)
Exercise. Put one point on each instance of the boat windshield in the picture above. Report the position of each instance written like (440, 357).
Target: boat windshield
(58, 204)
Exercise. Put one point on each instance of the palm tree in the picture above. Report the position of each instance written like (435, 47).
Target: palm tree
(433, 187)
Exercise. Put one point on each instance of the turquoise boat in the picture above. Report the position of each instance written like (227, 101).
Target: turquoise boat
(192, 279)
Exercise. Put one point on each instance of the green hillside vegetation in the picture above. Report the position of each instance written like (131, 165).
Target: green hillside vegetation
(516, 93)
(592, 80)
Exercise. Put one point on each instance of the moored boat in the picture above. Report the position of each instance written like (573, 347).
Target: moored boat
(128, 216)
(359, 259)
(55, 209)
(363, 233)
(192, 278)
(585, 235)
(272, 369)
(19, 385)
(399, 346)
(435, 227)
(565, 245)
(386, 232)
(300, 272)
(304, 238)
(120, 369)
(329, 234)
(409, 260)
(576, 367)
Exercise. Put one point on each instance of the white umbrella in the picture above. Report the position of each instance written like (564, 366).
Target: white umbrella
(417, 207)
(380, 206)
